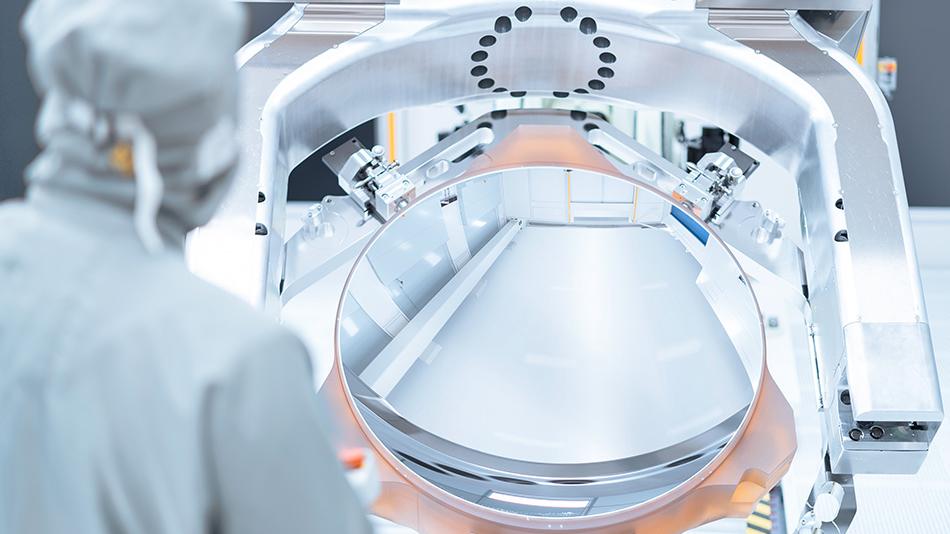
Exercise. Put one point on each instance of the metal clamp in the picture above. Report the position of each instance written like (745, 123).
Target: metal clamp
(714, 182)
(374, 184)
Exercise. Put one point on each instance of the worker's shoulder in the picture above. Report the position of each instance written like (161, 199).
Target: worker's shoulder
(215, 311)
(194, 319)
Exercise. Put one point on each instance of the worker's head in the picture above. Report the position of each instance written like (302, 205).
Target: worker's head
(139, 104)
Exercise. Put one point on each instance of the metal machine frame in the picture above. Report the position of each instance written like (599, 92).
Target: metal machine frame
(777, 73)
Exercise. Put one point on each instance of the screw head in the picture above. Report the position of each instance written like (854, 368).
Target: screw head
(855, 434)
(877, 432)
(846, 397)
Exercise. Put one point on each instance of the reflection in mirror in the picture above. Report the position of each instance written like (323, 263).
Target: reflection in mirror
(550, 342)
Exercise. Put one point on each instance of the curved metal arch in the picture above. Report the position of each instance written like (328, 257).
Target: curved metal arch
(671, 62)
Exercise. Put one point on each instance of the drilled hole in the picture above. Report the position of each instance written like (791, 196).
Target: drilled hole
(502, 25)
(499, 90)
(579, 115)
(601, 42)
(590, 126)
(568, 14)
(487, 40)
(842, 236)
(581, 91)
(518, 94)
(523, 13)
(486, 83)
(480, 55)
(607, 57)
(485, 124)
(479, 70)
(839, 203)
(561, 94)
(588, 26)
(596, 85)
(499, 114)
(605, 72)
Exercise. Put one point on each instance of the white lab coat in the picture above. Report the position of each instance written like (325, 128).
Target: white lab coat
(135, 398)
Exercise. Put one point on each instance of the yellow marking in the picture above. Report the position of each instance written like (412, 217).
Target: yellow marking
(860, 56)
(759, 520)
(570, 217)
(636, 197)
(756, 521)
(391, 124)
(121, 159)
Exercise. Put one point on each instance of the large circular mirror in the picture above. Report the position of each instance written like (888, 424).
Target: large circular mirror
(549, 342)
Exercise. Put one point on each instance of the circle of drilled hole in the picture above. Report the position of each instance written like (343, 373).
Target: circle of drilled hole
(579, 115)
(568, 14)
(499, 114)
(588, 26)
(590, 126)
(500, 90)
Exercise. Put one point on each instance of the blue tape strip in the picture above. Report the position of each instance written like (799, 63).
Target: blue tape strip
(694, 227)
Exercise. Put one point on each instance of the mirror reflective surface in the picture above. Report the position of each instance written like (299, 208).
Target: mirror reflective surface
(550, 342)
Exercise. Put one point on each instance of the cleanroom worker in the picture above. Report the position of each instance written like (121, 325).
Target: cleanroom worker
(135, 398)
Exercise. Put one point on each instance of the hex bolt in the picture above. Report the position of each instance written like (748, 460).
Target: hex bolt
(855, 434)
(735, 172)
(846, 397)
(877, 432)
